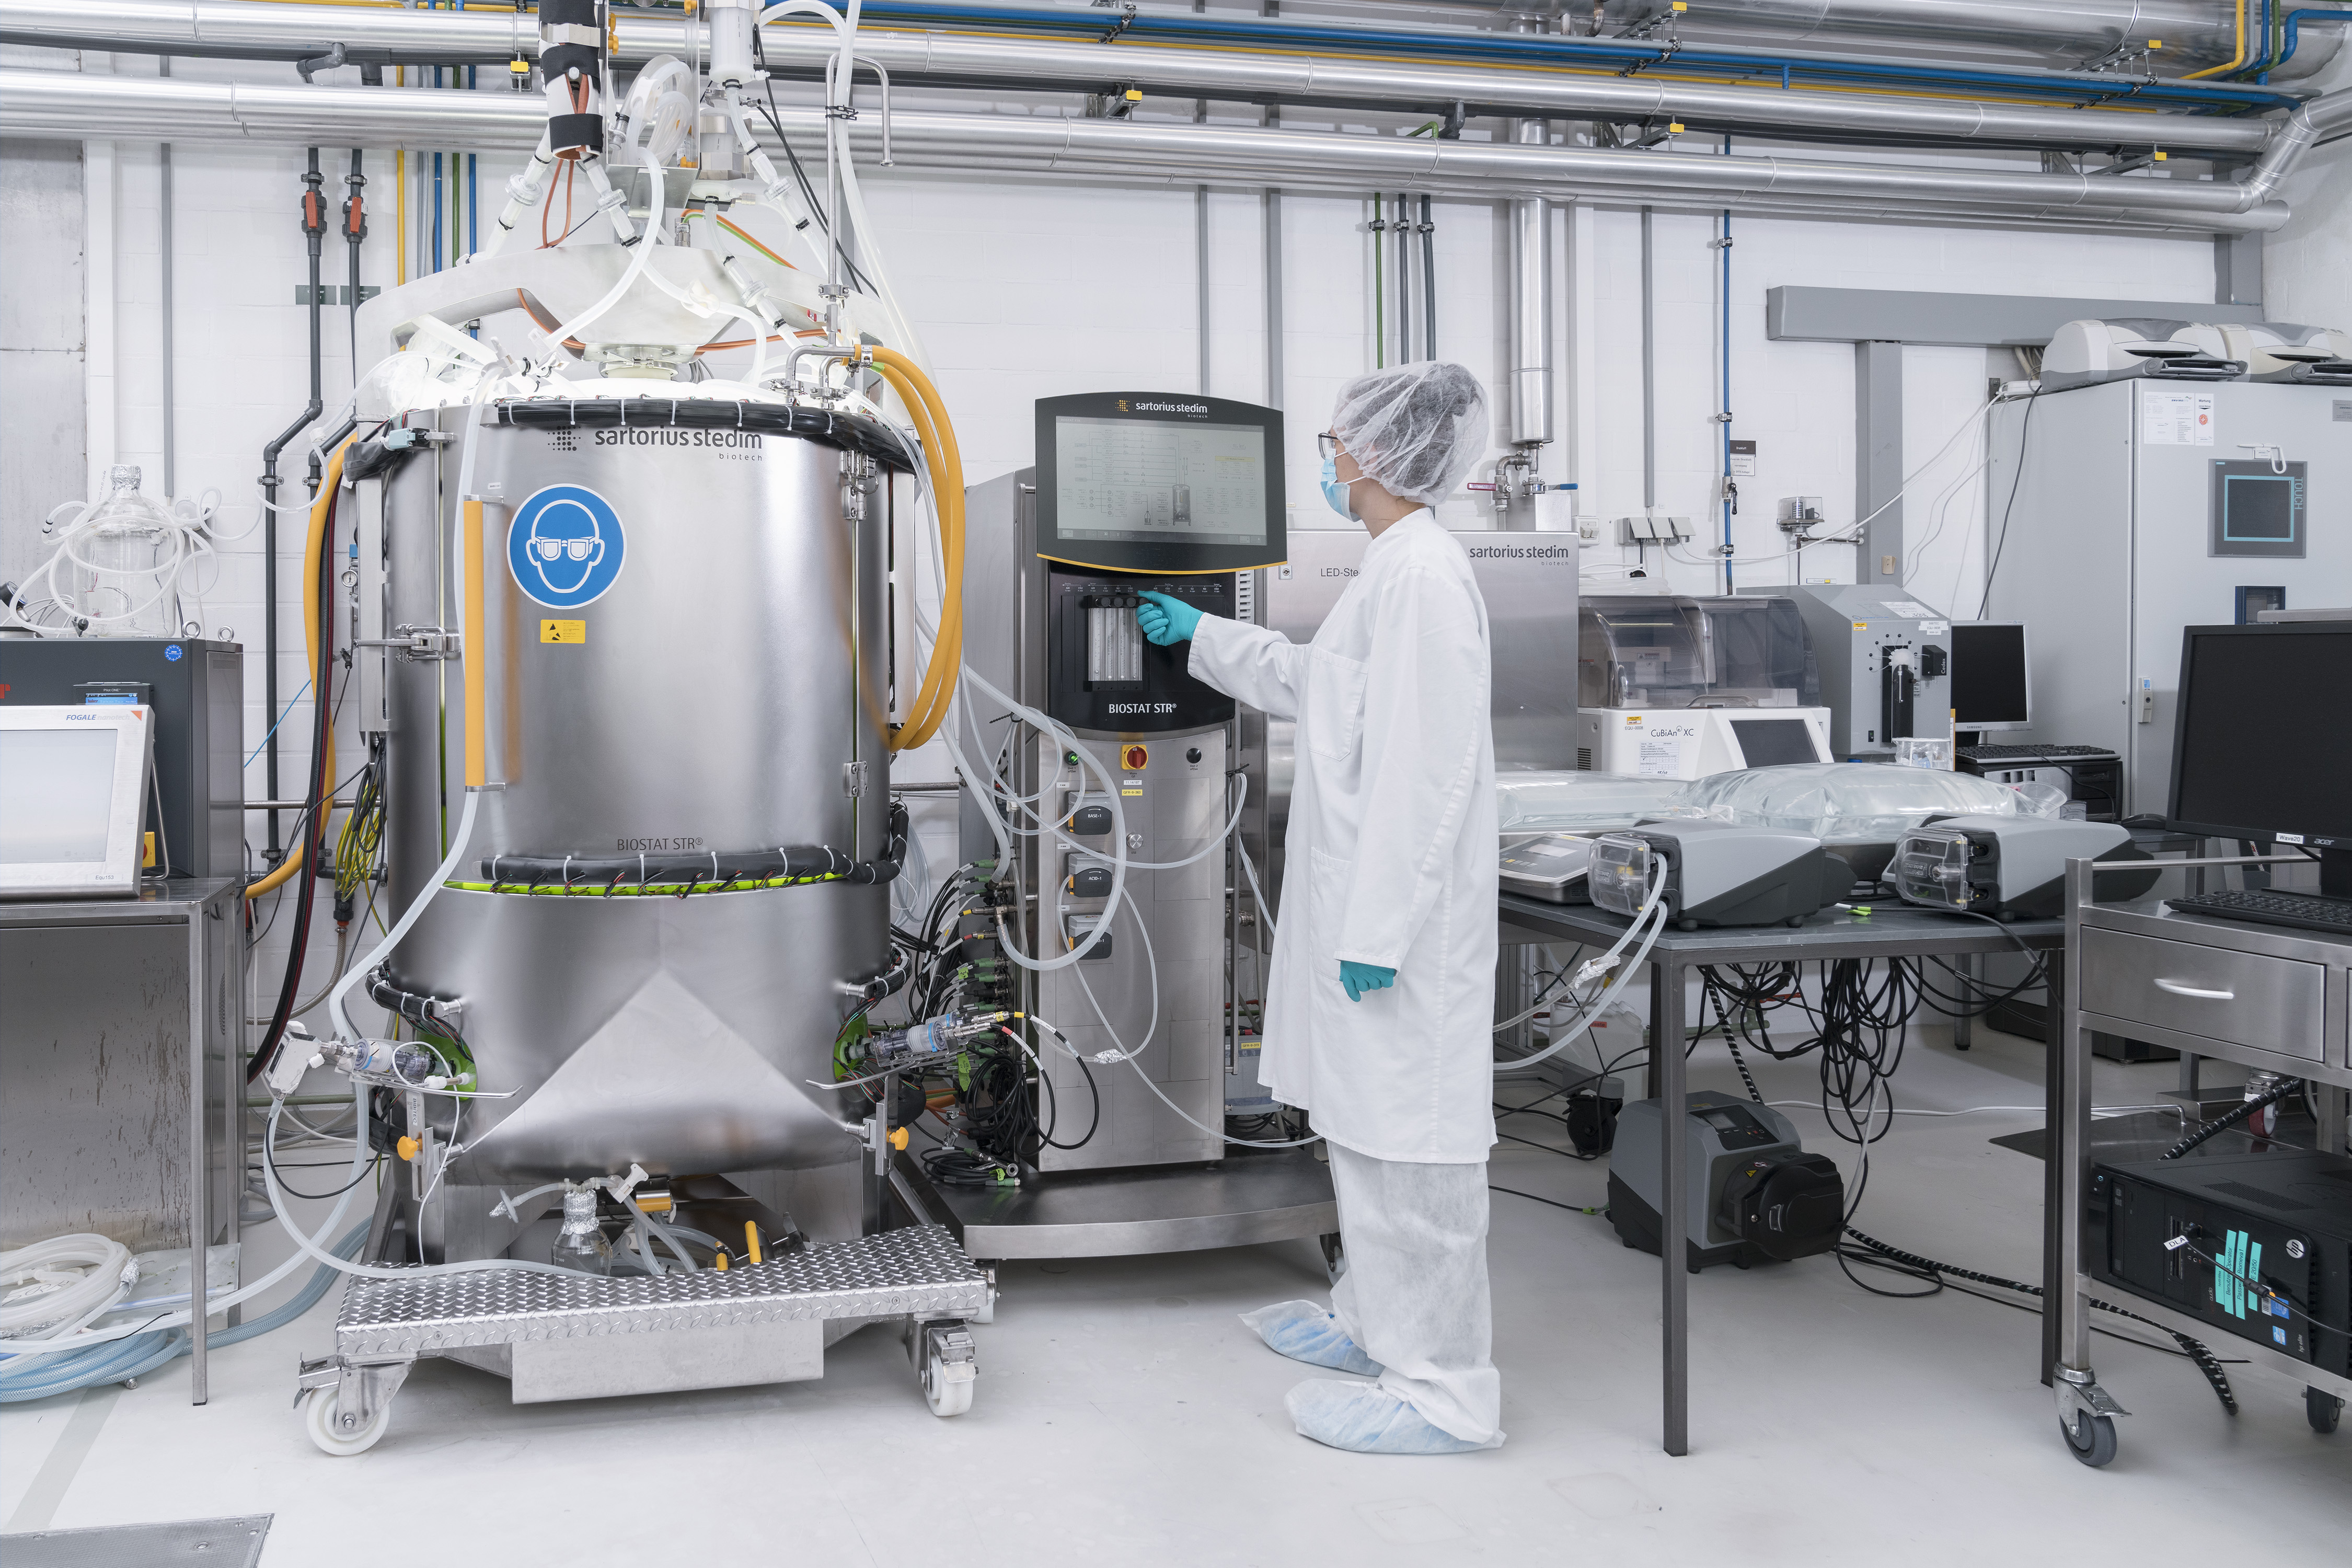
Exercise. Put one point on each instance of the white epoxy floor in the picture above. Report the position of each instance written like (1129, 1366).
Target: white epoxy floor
(1125, 1417)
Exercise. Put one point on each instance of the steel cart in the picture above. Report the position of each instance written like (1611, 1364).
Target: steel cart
(2267, 997)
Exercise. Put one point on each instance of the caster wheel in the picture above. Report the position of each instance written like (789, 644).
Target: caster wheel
(2092, 1438)
(948, 1389)
(2322, 1409)
(319, 1418)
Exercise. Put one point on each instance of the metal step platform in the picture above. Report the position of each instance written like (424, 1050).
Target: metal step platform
(1245, 1199)
(565, 1336)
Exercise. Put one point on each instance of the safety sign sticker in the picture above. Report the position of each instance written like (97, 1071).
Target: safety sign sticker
(565, 546)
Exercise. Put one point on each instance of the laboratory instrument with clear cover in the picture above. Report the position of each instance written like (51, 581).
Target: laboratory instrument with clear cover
(1673, 686)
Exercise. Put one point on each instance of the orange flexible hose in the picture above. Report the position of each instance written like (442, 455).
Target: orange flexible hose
(311, 548)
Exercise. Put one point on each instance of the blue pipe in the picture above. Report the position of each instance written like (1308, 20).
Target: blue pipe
(1552, 49)
(1727, 385)
(2294, 20)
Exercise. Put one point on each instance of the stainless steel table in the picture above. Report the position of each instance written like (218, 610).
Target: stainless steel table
(88, 998)
(1889, 932)
(2273, 997)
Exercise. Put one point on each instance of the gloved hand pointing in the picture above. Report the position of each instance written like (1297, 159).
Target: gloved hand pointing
(1360, 978)
(1166, 621)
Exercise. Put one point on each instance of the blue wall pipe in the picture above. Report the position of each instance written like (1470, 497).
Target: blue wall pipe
(1553, 49)
(2294, 20)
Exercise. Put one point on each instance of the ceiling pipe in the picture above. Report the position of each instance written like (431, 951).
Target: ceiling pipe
(67, 105)
(266, 30)
(2195, 34)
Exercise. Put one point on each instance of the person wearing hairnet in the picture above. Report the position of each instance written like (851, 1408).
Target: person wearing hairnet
(1379, 1004)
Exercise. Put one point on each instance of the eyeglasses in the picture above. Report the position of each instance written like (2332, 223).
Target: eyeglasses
(1327, 446)
(578, 549)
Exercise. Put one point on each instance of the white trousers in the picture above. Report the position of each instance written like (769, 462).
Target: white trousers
(1414, 1296)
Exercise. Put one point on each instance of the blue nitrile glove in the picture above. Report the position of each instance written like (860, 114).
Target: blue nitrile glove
(1360, 978)
(1164, 620)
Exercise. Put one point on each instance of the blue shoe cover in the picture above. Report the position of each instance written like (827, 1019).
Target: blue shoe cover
(1365, 1418)
(1304, 1331)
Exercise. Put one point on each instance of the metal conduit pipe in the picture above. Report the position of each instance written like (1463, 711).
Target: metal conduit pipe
(268, 29)
(2195, 34)
(64, 105)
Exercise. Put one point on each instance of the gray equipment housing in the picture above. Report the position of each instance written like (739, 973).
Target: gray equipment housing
(197, 692)
(1173, 805)
(1549, 867)
(1731, 874)
(2110, 549)
(2011, 868)
(1726, 1135)
(1885, 662)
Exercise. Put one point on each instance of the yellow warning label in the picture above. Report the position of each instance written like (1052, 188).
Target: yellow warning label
(563, 631)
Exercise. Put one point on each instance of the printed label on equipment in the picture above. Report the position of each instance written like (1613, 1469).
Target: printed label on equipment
(563, 631)
(2177, 419)
(1661, 755)
(1907, 609)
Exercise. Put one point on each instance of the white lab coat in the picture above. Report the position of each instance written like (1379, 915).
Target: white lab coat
(1391, 855)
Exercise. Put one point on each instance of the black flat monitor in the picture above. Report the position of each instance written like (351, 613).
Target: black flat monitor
(2261, 747)
(1159, 482)
(1989, 689)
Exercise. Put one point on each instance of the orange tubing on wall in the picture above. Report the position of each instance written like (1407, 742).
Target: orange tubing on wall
(311, 549)
(930, 708)
(475, 651)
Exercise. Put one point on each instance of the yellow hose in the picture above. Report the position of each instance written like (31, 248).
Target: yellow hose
(930, 709)
(477, 654)
(2233, 64)
(312, 548)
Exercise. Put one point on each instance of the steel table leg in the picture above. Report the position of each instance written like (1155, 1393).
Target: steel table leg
(1964, 1026)
(2058, 1147)
(199, 1166)
(1674, 1198)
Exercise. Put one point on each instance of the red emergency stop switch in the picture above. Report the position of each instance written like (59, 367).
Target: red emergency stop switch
(1135, 757)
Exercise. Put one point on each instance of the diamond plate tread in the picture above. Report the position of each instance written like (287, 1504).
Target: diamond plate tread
(918, 1270)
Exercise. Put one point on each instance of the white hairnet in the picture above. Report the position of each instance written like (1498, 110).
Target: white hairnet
(1414, 429)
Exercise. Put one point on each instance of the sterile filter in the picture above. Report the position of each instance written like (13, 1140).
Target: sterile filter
(684, 651)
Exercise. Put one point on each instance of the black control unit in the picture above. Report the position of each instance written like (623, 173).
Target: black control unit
(1104, 676)
(2259, 1246)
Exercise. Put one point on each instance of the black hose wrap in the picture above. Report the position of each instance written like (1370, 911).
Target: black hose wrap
(2231, 1117)
(716, 867)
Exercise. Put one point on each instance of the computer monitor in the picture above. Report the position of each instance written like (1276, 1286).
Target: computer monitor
(2260, 747)
(73, 796)
(1159, 482)
(1990, 689)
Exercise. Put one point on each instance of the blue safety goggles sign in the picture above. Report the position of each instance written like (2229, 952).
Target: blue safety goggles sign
(565, 546)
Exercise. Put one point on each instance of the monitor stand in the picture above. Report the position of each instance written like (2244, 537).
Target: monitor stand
(2335, 873)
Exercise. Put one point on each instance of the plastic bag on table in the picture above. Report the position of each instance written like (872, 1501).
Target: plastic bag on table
(1578, 802)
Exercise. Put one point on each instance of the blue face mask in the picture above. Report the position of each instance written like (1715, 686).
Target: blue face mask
(1334, 491)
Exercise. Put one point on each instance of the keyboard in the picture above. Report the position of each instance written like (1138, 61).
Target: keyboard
(2031, 753)
(2298, 909)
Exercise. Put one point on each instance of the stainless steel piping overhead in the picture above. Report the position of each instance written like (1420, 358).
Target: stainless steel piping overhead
(67, 105)
(273, 29)
(2195, 34)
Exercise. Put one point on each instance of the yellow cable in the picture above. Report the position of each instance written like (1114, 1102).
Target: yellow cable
(938, 434)
(312, 548)
(2233, 64)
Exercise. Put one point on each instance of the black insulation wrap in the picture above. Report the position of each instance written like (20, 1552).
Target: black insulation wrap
(848, 432)
(421, 1010)
(684, 871)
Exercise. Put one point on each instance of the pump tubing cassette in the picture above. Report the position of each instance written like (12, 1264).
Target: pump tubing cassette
(1755, 1195)
(1718, 873)
(2011, 868)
